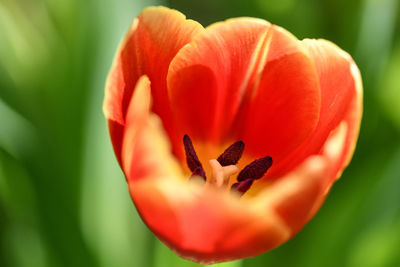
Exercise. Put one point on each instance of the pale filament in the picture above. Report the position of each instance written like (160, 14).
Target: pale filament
(220, 174)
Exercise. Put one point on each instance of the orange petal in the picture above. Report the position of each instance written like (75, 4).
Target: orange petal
(145, 146)
(148, 48)
(283, 109)
(341, 95)
(204, 225)
(297, 196)
(208, 78)
(353, 120)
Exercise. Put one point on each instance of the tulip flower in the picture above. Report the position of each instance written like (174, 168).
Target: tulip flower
(230, 136)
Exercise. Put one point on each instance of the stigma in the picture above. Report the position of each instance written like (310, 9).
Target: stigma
(224, 167)
(221, 174)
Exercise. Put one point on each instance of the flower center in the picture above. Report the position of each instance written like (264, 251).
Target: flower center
(224, 167)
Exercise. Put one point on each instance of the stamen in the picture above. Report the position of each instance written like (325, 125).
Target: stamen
(242, 186)
(232, 154)
(192, 160)
(256, 169)
(251, 172)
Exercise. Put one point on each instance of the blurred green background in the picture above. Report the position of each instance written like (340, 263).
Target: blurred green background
(63, 199)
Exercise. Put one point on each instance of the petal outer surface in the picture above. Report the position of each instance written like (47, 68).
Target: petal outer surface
(341, 99)
(148, 48)
(208, 77)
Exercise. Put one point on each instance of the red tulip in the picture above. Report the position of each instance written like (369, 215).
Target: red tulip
(291, 108)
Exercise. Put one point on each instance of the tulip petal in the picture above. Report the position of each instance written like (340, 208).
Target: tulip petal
(341, 97)
(245, 79)
(148, 48)
(297, 196)
(145, 147)
(202, 224)
(283, 109)
(353, 120)
(208, 77)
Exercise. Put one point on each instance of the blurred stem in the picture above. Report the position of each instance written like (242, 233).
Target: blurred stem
(163, 256)
(237, 263)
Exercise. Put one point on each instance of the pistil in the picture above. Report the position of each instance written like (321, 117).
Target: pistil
(225, 166)
(221, 174)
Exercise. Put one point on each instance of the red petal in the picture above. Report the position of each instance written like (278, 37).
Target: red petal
(208, 226)
(340, 98)
(353, 120)
(297, 196)
(148, 48)
(208, 78)
(284, 109)
(204, 225)
(145, 146)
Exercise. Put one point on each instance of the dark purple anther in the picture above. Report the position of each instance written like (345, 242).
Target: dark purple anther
(256, 169)
(232, 154)
(242, 186)
(199, 171)
(192, 160)
(191, 157)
